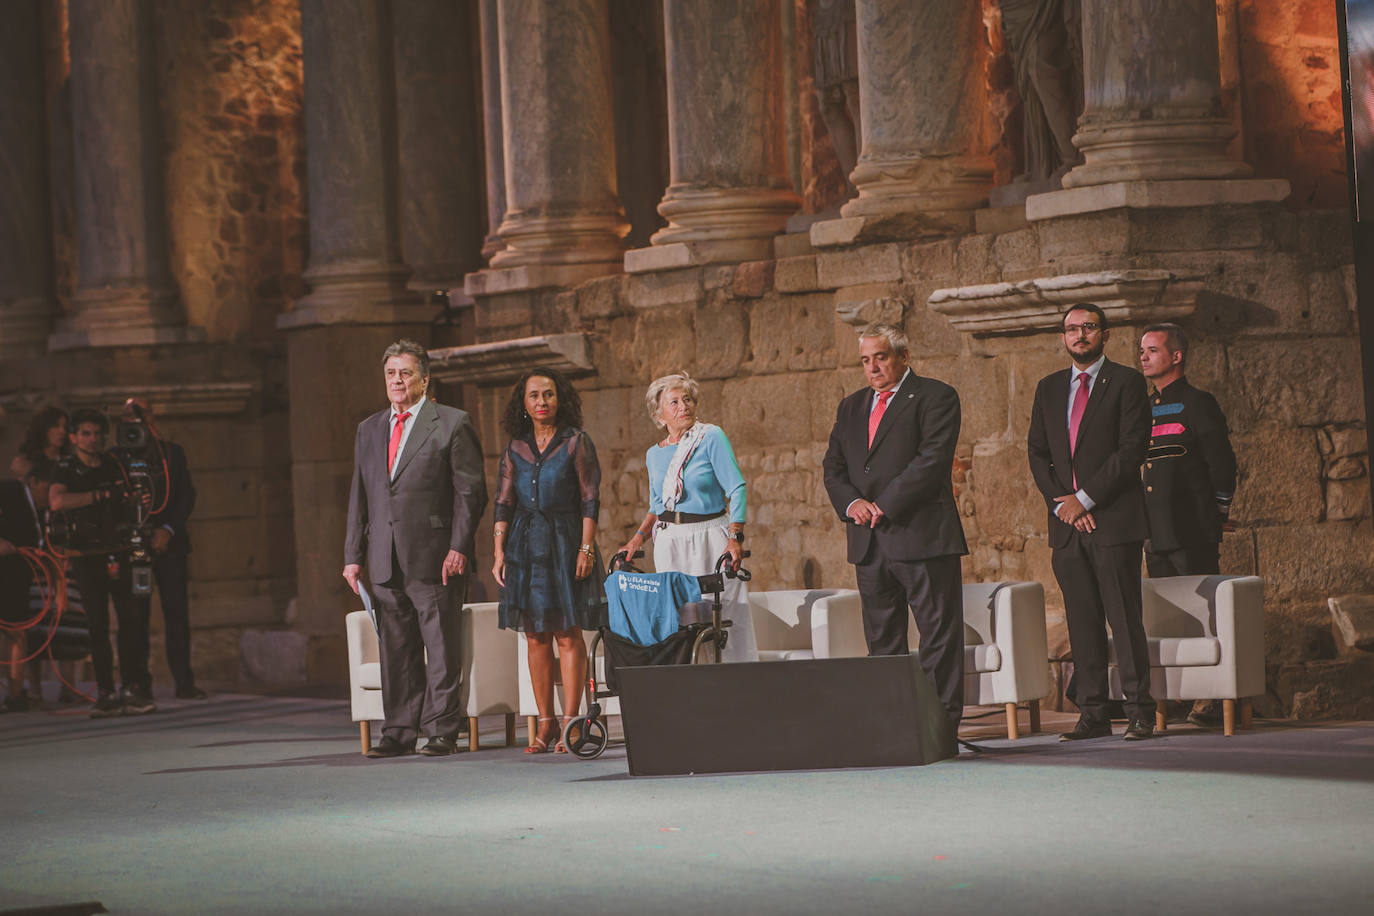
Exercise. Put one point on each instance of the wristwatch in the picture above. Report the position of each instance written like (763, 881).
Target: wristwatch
(737, 536)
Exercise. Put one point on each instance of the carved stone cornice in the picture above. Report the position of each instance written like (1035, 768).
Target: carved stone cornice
(1126, 296)
(207, 399)
(502, 361)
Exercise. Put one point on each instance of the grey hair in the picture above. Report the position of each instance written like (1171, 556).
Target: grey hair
(660, 386)
(406, 347)
(895, 337)
(1174, 338)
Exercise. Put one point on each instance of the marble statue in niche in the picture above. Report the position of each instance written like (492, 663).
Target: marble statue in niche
(834, 35)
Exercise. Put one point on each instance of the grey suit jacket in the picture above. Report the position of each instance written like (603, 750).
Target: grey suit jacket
(432, 506)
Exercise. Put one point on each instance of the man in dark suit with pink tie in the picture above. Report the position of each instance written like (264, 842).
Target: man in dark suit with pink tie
(1088, 433)
(888, 473)
(418, 493)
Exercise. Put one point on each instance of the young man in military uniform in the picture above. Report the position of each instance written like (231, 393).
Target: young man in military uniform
(1190, 471)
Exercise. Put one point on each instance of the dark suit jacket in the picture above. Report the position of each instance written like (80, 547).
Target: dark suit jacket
(907, 472)
(1190, 469)
(181, 497)
(432, 506)
(1111, 448)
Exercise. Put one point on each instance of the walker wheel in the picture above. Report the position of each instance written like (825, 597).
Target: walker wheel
(590, 740)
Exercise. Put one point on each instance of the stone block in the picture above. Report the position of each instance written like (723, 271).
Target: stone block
(723, 337)
(753, 278)
(614, 355)
(983, 389)
(1324, 236)
(1197, 229)
(718, 276)
(1318, 560)
(249, 548)
(792, 244)
(1150, 195)
(1100, 235)
(227, 494)
(868, 264)
(833, 232)
(824, 391)
(665, 341)
(764, 411)
(1279, 476)
(998, 220)
(1328, 308)
(867, 303)
(1353, 618)
(1017, 251)
(610, 416)
(600, 298)
(795, 274)
(507, 315)
(791, 334)
(1347, 442)
(1238, 553)
(1007, 506)
(1347, 499)
(1345, 469)
(931, 333)
(1337, 689)
(1278, 382)
(674, 287)
(274, 657)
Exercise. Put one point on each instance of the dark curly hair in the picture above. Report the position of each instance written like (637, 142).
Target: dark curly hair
(517, 423)
(36, 438)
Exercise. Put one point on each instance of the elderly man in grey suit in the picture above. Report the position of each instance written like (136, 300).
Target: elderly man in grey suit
(418, 493)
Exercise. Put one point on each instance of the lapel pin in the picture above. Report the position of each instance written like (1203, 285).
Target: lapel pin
(911, 396)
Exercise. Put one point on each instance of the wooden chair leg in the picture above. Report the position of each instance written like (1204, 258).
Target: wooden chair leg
(510, 729)
(473, 737)
(531, 729)
(1012, 734)
(365, 731)
(1228, 717)
(1247, 714)
(1035, 717)
(1161, 715)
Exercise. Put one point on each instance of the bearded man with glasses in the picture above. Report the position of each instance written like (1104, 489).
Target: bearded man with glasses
(1089, 430)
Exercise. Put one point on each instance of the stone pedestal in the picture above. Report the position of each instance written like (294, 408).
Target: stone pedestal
(559, 139)
(1152, 94)
(921, 169)
(25, 261)
(439, 153)
(495, 157)
(125, 293)
(730, 192)
(356, 273)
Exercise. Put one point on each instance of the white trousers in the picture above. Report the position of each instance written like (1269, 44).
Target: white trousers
(693, 548)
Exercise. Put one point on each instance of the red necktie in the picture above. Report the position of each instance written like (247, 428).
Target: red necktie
(396, 439)
(1080, 404)
(876, 415)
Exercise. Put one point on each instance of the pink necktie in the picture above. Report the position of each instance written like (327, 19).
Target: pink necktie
(396, 440)
(876, 416)
(1080, 404)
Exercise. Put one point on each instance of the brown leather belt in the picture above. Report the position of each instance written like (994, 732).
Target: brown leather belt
(686, 518)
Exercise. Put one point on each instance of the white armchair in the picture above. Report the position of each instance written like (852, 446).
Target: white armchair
(1206, 642)
(489, 678)
(1006, 654)
(784, 626)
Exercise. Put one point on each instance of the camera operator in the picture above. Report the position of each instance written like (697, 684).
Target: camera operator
(174, 496)
(91, 488)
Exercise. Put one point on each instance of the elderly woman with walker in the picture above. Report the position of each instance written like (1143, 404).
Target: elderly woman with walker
(697, 501)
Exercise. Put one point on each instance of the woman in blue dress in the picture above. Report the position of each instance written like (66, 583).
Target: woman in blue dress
(546, 560)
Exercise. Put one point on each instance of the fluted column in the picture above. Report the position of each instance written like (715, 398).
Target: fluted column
(491, 128)
(25, 259)
(1152, 94)
(730, 192)
(559, 138)
(922, 87)
(439, 152)
(355, 270)
(125, 293)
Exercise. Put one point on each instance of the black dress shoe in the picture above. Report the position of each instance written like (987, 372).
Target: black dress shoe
(390, 747)
(1085, 729)
(1139, 730)
(440, 746)
(191, 693)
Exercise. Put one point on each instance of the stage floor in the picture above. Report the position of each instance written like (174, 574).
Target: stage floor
(245, 804)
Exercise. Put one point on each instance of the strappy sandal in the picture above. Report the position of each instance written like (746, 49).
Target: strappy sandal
(560, 747)
(540, 744)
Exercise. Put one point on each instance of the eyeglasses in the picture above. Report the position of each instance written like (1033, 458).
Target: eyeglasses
(1087, 327)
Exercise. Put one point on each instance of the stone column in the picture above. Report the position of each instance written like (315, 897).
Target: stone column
(359, 301)
(922, 87)
(125, 293)
(491, 128)
(438, 146)
(1152, 94)
(559, 140)
(730, 192)
(25, 259)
